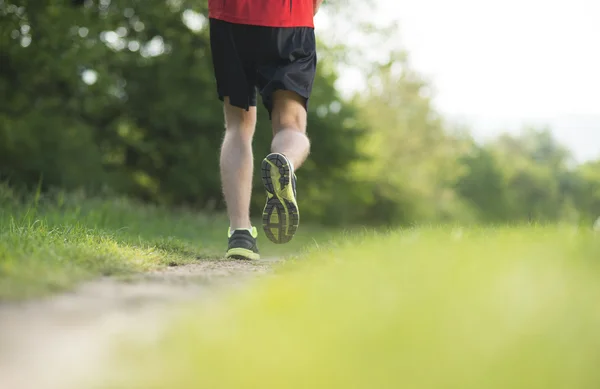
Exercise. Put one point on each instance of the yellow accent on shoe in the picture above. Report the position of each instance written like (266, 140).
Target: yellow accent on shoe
(241, 253)
(253, 231)
(280, 215)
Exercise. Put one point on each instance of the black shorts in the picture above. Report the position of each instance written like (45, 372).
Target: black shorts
(247, 58)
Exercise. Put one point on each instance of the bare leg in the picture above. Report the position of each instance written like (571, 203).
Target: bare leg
(237, 163)
(290, 146)
(289, 127)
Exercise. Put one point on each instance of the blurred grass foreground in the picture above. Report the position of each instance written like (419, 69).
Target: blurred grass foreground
(423, 308)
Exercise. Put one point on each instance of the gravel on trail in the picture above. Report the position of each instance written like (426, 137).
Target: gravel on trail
(59, 341)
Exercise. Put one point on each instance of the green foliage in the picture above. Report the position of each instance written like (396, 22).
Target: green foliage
(586, 190)
(483, 185)
(118, 96)
(131, 104)
(533, 166)
(413, 158)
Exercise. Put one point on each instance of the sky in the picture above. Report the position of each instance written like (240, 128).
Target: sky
(500, 65)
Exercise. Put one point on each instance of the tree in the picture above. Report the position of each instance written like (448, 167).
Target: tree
(534, 165)
(483, 186)
(587, 191)
(413, 155)
(131, 104)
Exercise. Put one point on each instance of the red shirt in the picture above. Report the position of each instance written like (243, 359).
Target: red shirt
(270, 13)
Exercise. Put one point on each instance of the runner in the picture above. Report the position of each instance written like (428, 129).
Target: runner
(269, 46)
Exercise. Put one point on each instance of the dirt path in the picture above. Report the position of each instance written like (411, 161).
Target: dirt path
(54, 343)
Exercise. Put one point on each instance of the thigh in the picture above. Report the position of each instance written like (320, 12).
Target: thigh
(287, 61)
(234, 68)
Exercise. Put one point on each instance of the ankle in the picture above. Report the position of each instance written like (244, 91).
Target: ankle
(290, 162)
(249, 229)
(240, 225)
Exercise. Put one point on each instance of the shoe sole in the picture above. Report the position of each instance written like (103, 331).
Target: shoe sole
(280, 215)
(244, 254)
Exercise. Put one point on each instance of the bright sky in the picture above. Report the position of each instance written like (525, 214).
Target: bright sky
(500, 64)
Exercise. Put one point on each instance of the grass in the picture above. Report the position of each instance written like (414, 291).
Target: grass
(51, 243)
(419, 308)
(423, 308)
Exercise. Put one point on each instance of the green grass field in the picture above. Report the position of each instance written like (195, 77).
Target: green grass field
(423, 308)
(511, 307)
(50, 243)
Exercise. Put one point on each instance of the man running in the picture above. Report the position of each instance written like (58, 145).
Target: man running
(269, 46)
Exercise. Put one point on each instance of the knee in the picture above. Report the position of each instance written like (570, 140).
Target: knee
(243, 129)
(241, 123)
